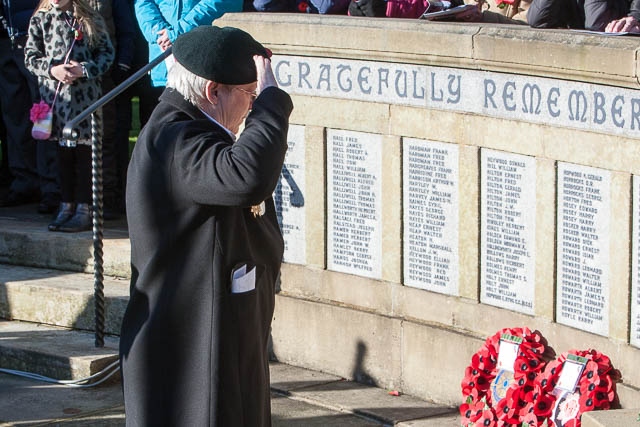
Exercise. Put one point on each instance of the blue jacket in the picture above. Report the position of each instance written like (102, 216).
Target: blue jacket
(177, 16)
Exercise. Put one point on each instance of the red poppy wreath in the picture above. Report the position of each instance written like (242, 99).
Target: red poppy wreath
(502, 390)
(591, 386)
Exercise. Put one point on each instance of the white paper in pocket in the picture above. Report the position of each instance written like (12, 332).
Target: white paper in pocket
(243, 280)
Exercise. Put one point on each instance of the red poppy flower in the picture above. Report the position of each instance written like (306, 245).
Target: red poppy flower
(470, 412)
(484, 359)
(587, 403)
(506, 412)
(605, 384)
(551, 374)
(532, 349)
(543, 405)
(529, 416)
(590, 373)
(531, 392)
(604, 398)
(487, 419)
(474, 379)
(473, 395)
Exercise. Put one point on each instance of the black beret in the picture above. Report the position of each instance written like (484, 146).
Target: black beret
(220, 54)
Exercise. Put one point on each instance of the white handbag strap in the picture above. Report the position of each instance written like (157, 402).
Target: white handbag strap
(66, 61)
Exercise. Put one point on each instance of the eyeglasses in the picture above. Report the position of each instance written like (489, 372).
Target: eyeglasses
(252, 94)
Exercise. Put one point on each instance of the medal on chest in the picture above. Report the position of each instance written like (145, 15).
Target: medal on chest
(258, 210)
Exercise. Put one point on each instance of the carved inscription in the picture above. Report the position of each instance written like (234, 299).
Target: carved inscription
(354, 163)
(508, 224)
(554, 102)
(583, 248)
(430, 206)
(289, 198)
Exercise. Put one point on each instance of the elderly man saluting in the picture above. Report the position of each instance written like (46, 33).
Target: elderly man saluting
(205, 244)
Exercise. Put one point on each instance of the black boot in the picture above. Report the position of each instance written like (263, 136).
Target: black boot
(65, 212)
(80, 221)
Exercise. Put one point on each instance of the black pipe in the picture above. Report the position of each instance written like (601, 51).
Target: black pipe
(98, 270)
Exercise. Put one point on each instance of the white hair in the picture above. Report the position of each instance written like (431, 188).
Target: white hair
(191, 86)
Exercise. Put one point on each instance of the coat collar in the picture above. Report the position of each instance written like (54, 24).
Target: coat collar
(176, 100)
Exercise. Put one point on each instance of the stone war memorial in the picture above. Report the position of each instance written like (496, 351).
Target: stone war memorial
(445, 181)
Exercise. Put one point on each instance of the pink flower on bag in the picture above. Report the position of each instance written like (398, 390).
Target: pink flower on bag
(504, 3)
(39, 111)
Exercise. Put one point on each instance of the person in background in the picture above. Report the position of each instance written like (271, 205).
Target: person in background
(121, 25)
(593, 15)
(68, 49)
(31, 164)
(206, 248)
(161, 21)
(5, 172)
(629, 23)
(147, 99)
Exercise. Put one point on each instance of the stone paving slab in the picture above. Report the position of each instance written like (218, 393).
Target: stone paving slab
(615, 418)
(54, 352)
(25, 402)
(287, 412)
(346, 396)
(25, 240)
(286, 378)
(60, 298)
(445, 420)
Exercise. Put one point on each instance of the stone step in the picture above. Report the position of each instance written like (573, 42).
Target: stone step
(54, 352)
(59, 298)
(25, 240)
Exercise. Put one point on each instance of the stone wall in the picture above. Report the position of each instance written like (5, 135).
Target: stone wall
(448, 180)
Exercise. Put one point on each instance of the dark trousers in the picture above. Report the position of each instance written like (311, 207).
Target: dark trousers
(75, 174)
(5, 173)
(32, 163)
(115, 154)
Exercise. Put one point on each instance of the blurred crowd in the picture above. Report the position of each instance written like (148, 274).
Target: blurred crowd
(139, 30)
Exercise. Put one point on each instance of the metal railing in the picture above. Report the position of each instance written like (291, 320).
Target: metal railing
(70, 132)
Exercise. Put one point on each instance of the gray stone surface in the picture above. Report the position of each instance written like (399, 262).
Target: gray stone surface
(52, 351)
(26, 402)
(347, 396)
(59, 298)
(617, 418)
(25, 240)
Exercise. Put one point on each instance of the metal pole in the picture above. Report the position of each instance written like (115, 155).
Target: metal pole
(70, 132)
(96, 189)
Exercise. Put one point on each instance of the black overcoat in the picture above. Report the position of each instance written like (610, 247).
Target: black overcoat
(192, 352)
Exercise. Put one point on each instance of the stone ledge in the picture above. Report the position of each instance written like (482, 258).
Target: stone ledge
(612, 418)
(562, 54)
(25, 240)
(53, 352)
(54, 297)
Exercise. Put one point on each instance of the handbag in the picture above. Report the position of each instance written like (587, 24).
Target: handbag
(42, 124)
(41, 115)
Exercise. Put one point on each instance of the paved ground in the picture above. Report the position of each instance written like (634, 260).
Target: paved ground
(300, 397)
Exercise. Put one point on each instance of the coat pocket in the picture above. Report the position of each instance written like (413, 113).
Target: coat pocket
(243, 278)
